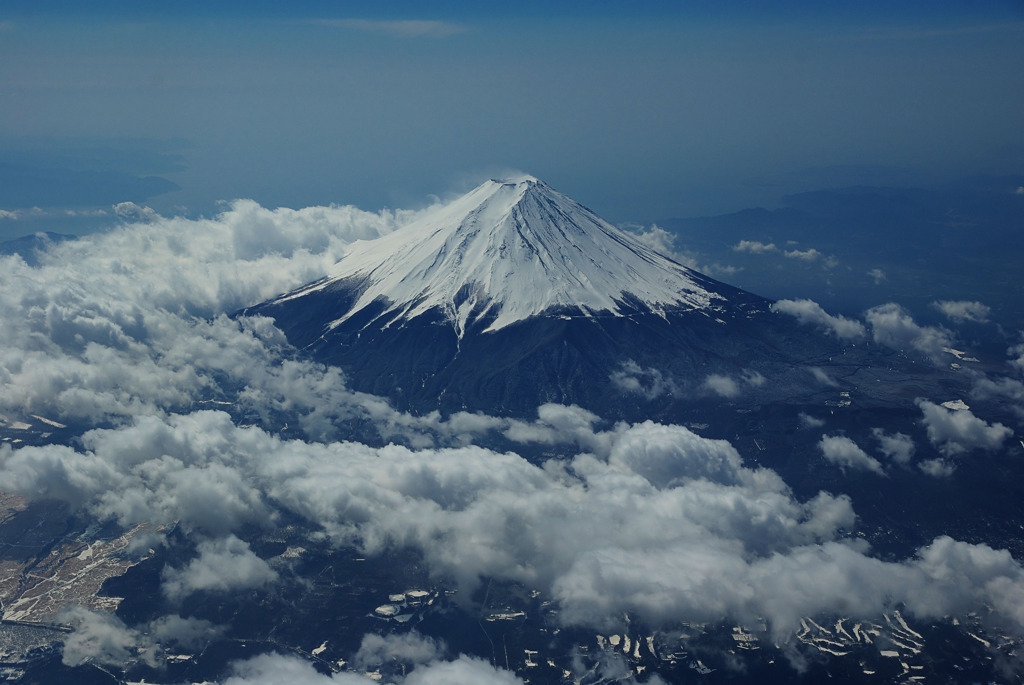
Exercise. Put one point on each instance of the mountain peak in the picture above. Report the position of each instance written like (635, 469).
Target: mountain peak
(508, 250)
(518, 179)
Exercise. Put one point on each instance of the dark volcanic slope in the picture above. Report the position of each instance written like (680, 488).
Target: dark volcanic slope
(514, 296)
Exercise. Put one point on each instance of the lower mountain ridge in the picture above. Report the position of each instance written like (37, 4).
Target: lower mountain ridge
(641, 364)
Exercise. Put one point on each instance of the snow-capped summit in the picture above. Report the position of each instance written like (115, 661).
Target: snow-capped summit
(514, 295)
(509, 250)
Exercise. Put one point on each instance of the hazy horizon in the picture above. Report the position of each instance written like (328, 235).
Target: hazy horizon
(639, 114)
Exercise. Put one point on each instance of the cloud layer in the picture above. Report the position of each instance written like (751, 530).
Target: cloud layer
(129, 331)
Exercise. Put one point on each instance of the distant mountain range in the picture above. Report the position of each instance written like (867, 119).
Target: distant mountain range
(858, 247)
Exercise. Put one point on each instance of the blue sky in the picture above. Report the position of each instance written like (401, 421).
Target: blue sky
(672, 109)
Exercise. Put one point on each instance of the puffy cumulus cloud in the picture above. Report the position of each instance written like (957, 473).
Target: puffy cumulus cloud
(97, 637)
(132, 322)
(754, 247)
(660, 240)
(558, 424)
(961, 310)
(462, 671)
(408, 648)
(186, 633)
(1000, 388)
(129, 211)
(273, 669)
(954, 431)
(223, 565)
(103, 638)
(843, 451)
(647, 382)
(723, 386)
(469, 511)
(647, 518)
(810, 312)
(245, 254)
(937, 468)
(899, 447)
(878, 276)
(892, 326)
(1016, 354)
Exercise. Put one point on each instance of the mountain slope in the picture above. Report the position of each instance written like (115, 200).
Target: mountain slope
(515, 295)
(507, 251)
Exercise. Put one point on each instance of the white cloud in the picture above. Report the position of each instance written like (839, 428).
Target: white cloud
(184, 633)
(97, 637)
(651, 519)
(954, 431)
(893, 327)
(822, 376)
(898, 446)
(6, 214)
(937, 468)
(755, 247)
(274, 669)
(1017, 352)
(660, 240)
(1010, 391)
(129, 211)
(223, 565)
(723, 386)
(462, 671)
(808, 421)
(108, 326)
(878, 275)
(648, 382)
(408, 648)
(727, 386)
(843, 451)
(129, 328)
(810, 255)
(717, 269)
(810, 312)
(961, 310)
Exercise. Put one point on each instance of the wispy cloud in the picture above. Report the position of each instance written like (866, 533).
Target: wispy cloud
(403, 28)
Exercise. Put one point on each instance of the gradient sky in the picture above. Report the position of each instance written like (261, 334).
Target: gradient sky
(673, 109)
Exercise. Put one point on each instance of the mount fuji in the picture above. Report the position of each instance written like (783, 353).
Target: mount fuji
(515, 295)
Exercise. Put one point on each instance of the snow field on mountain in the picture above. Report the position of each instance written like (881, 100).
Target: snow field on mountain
(507, 251)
